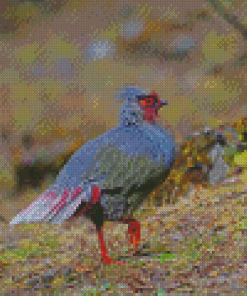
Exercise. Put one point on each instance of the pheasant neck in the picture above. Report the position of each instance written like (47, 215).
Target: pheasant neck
(150, 115)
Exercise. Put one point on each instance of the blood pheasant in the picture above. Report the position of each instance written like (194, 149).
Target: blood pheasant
(110, 175)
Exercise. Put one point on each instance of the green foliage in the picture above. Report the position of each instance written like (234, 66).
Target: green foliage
(228, 3)
(166, 257)
(21, 13)
(242, 224)
(30, 247)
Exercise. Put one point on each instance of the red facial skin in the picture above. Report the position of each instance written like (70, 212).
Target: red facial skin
(150, 106)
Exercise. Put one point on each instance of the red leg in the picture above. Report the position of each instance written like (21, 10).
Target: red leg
(134, 230)
(96, 194)
(104, 255)
(95, 197)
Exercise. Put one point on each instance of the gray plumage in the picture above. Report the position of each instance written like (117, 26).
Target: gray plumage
(119, 162)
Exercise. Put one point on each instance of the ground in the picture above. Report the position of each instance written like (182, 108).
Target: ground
(196, 245)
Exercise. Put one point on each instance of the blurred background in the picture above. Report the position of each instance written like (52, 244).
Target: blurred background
(62, 61)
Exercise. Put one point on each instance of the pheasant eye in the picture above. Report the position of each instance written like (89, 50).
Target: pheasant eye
(149, 101)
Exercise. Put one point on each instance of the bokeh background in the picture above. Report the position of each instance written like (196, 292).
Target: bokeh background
(62, 61)
(61, 64)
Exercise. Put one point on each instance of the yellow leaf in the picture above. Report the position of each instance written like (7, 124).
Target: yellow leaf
(241, 159)
(61, 48)
(24, 91)
(219, 48)
(111, 33)
(29, 53)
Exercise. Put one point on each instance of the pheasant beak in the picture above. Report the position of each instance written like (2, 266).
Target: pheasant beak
(162, 102)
